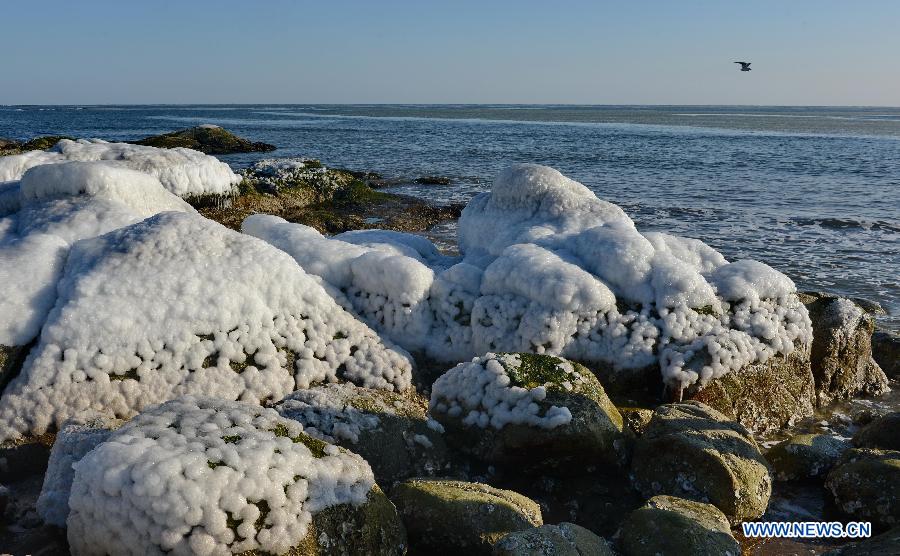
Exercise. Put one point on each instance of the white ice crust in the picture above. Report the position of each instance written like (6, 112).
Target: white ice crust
(184, 172)
(178, 304)
(548, 267)
(326, 412)
(204, 476)
(481, 394)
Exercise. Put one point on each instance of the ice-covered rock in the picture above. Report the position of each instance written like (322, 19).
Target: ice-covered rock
(547, 267)
(391, 431)
(184, 172)
(206, 476)
(529, 410)
(178, 304)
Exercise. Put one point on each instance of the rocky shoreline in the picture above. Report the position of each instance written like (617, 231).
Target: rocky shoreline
(511, 453)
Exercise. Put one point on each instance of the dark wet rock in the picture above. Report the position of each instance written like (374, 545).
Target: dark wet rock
(885, 544)
(565, 539)
(391, 431)
(842, 362)
(11, 146)
(805, 456)
(209, 139)
(886, 352)
(636, 418)
(11, 359)
(693, 451)
(25, 457)
(457, 517)
(372, 528)
(883, 433)
(668, 525)
(595, 433)
(4, 498)
(865, 484)
(45, 540)
(763, 396)
(433, 180)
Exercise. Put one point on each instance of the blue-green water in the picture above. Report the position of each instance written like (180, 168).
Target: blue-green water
(814, 192)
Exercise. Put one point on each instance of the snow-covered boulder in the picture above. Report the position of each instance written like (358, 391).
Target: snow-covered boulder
(184, 172)
(177, 304)
(391, 431)
(534, 411)
(205, 476)
(547, 267)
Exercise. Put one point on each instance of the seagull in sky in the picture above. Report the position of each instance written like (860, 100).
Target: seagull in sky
(745, 66)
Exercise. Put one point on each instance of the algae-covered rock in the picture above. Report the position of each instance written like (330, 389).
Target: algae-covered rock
(636, 418)
(692, 451)
(209, 139)
(841, 355)
(764, 396)
(883, 433)
(565, 539)
(805, 456)
(391, 431)
(866, 486)
(886, 352)
(668, 525)
(885, 544)
(529, 410)
(11, 146)
(444, 516)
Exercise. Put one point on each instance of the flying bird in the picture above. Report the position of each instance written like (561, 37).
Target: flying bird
(745, 66)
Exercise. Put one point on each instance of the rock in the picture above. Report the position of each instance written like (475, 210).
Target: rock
(4, 498)
(446, 516)
(25, 457)
(886, 352)
(883, 433)
(841, 356)
(565, 539)
(209, 139)
(73, 441)
(885, 544)
(865, 484)
(763, 396)
(9, 146)
(636, 418)
(693, 451)
(560, 417)
(390, 431)
(805, 456)
(668, 525)
(11, 359)
(433, 180)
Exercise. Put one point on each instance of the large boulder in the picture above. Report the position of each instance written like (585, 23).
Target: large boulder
(805, 456)
(886, 352)
(885, 544)
(208, 139)
(444, 516)
(866, 486)
(667, 525)
(841, 356)
(528, 410)
(763, 396)
(207, 476)
(692, 451)
(883, 433)
(391, 431)
(565, 539)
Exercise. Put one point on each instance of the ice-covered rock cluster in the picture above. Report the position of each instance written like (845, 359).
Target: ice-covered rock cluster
(205, 476)
(178, 304)
(548, 267)
(494, 391)
(184, 172)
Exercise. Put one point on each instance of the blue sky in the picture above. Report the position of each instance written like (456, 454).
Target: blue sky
(665, 52)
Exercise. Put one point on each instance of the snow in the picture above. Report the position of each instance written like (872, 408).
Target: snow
(481, 393)
(72, 443)
(178, 304)
(548, 267)
(327, 412)
(206, 476)
(184, 172)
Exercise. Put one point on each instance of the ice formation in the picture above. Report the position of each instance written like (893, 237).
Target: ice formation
(548, 267)
(205, 476)
(484, 393)
(184, 172)
(178, 304)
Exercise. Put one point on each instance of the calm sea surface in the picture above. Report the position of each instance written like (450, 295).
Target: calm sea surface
(814, 192)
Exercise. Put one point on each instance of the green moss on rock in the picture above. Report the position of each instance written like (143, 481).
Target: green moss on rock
(668, 525)
(805, 456)
(206, 139)
(565, 539)
(865, 484)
